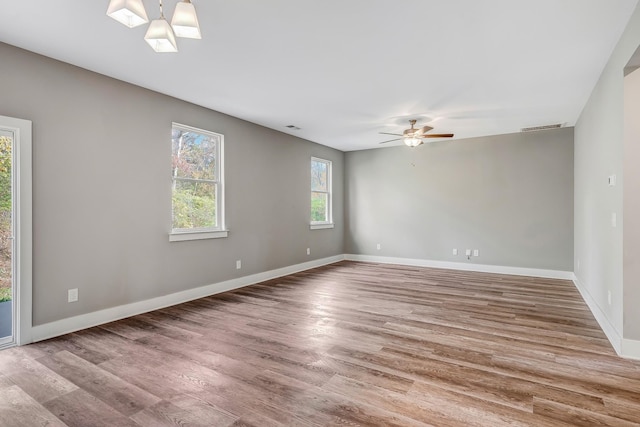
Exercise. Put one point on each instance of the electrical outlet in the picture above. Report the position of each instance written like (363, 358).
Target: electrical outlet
(609, 297)
(612, 180)
(476, 252)
(467, 252)
(238, 265)
(72, 295)
(378, 246)
(614, 220)
(455, 251)
(308, 251)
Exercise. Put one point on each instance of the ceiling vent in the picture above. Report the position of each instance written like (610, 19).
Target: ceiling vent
(293, 127)
(545, 127)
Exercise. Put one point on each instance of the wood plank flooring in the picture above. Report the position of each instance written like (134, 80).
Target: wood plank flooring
(346, 344)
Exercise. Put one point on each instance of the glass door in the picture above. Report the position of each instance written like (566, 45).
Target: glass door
(7, 289)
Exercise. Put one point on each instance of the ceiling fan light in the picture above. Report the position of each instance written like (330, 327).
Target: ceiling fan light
(185, 21)
(412, 142)
(128, 12)
(160, 36)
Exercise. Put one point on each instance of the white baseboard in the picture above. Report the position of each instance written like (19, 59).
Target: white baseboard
(605, 324)
(517, 271)
(76, 323)
(629, 349)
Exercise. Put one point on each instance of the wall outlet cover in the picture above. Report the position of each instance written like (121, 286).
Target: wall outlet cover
(238, 265)
(476, 252)
(72, 295)
(455, 252)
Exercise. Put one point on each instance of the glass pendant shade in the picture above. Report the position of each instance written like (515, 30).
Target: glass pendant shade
(412, 142)
(128, 12)
(185, 22)
(160, 36)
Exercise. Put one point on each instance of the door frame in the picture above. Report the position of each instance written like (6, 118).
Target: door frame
(22, 228)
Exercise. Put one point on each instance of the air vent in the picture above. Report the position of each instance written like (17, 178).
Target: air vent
(293, 127)
(535, 128)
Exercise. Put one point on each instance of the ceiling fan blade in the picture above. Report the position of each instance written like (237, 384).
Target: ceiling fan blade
(424, 130)
(387, 133)
(384, 142)
(438, 135)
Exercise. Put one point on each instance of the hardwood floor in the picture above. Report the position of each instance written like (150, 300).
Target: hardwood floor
(346, 344)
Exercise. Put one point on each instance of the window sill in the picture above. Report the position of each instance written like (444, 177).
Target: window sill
(197, 235)
(320, 226)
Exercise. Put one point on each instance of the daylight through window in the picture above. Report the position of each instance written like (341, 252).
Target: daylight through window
(197, 190)
(320, 191)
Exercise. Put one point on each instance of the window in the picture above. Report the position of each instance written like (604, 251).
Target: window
(321, 194)
(197, 184)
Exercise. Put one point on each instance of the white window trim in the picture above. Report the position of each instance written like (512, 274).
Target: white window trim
(185, 234)
(23, 245)
(197, 235)
(320, 225)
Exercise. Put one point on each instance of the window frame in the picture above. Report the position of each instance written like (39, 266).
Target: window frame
(318, 225)
(219, 231)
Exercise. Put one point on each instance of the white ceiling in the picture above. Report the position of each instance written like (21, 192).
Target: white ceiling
(344, 70)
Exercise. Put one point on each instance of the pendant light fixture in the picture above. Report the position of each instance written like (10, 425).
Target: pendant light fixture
(185, 21)
(128, 12)
(160, 35)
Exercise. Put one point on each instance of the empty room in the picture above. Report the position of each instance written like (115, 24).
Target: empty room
(296, 213)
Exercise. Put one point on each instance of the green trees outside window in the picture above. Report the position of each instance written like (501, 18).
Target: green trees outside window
(5, 217)
(196, 179)
(320, 191)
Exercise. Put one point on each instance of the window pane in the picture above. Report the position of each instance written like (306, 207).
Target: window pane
(194, 204)
(319, 207)
(6, 228)
(193, 154)
(319, 176)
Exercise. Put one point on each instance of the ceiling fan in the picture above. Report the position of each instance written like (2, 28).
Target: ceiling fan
(413, 137)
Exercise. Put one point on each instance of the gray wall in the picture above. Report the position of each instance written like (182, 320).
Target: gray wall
(599, 148)
(102, 197)
(509, 196)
